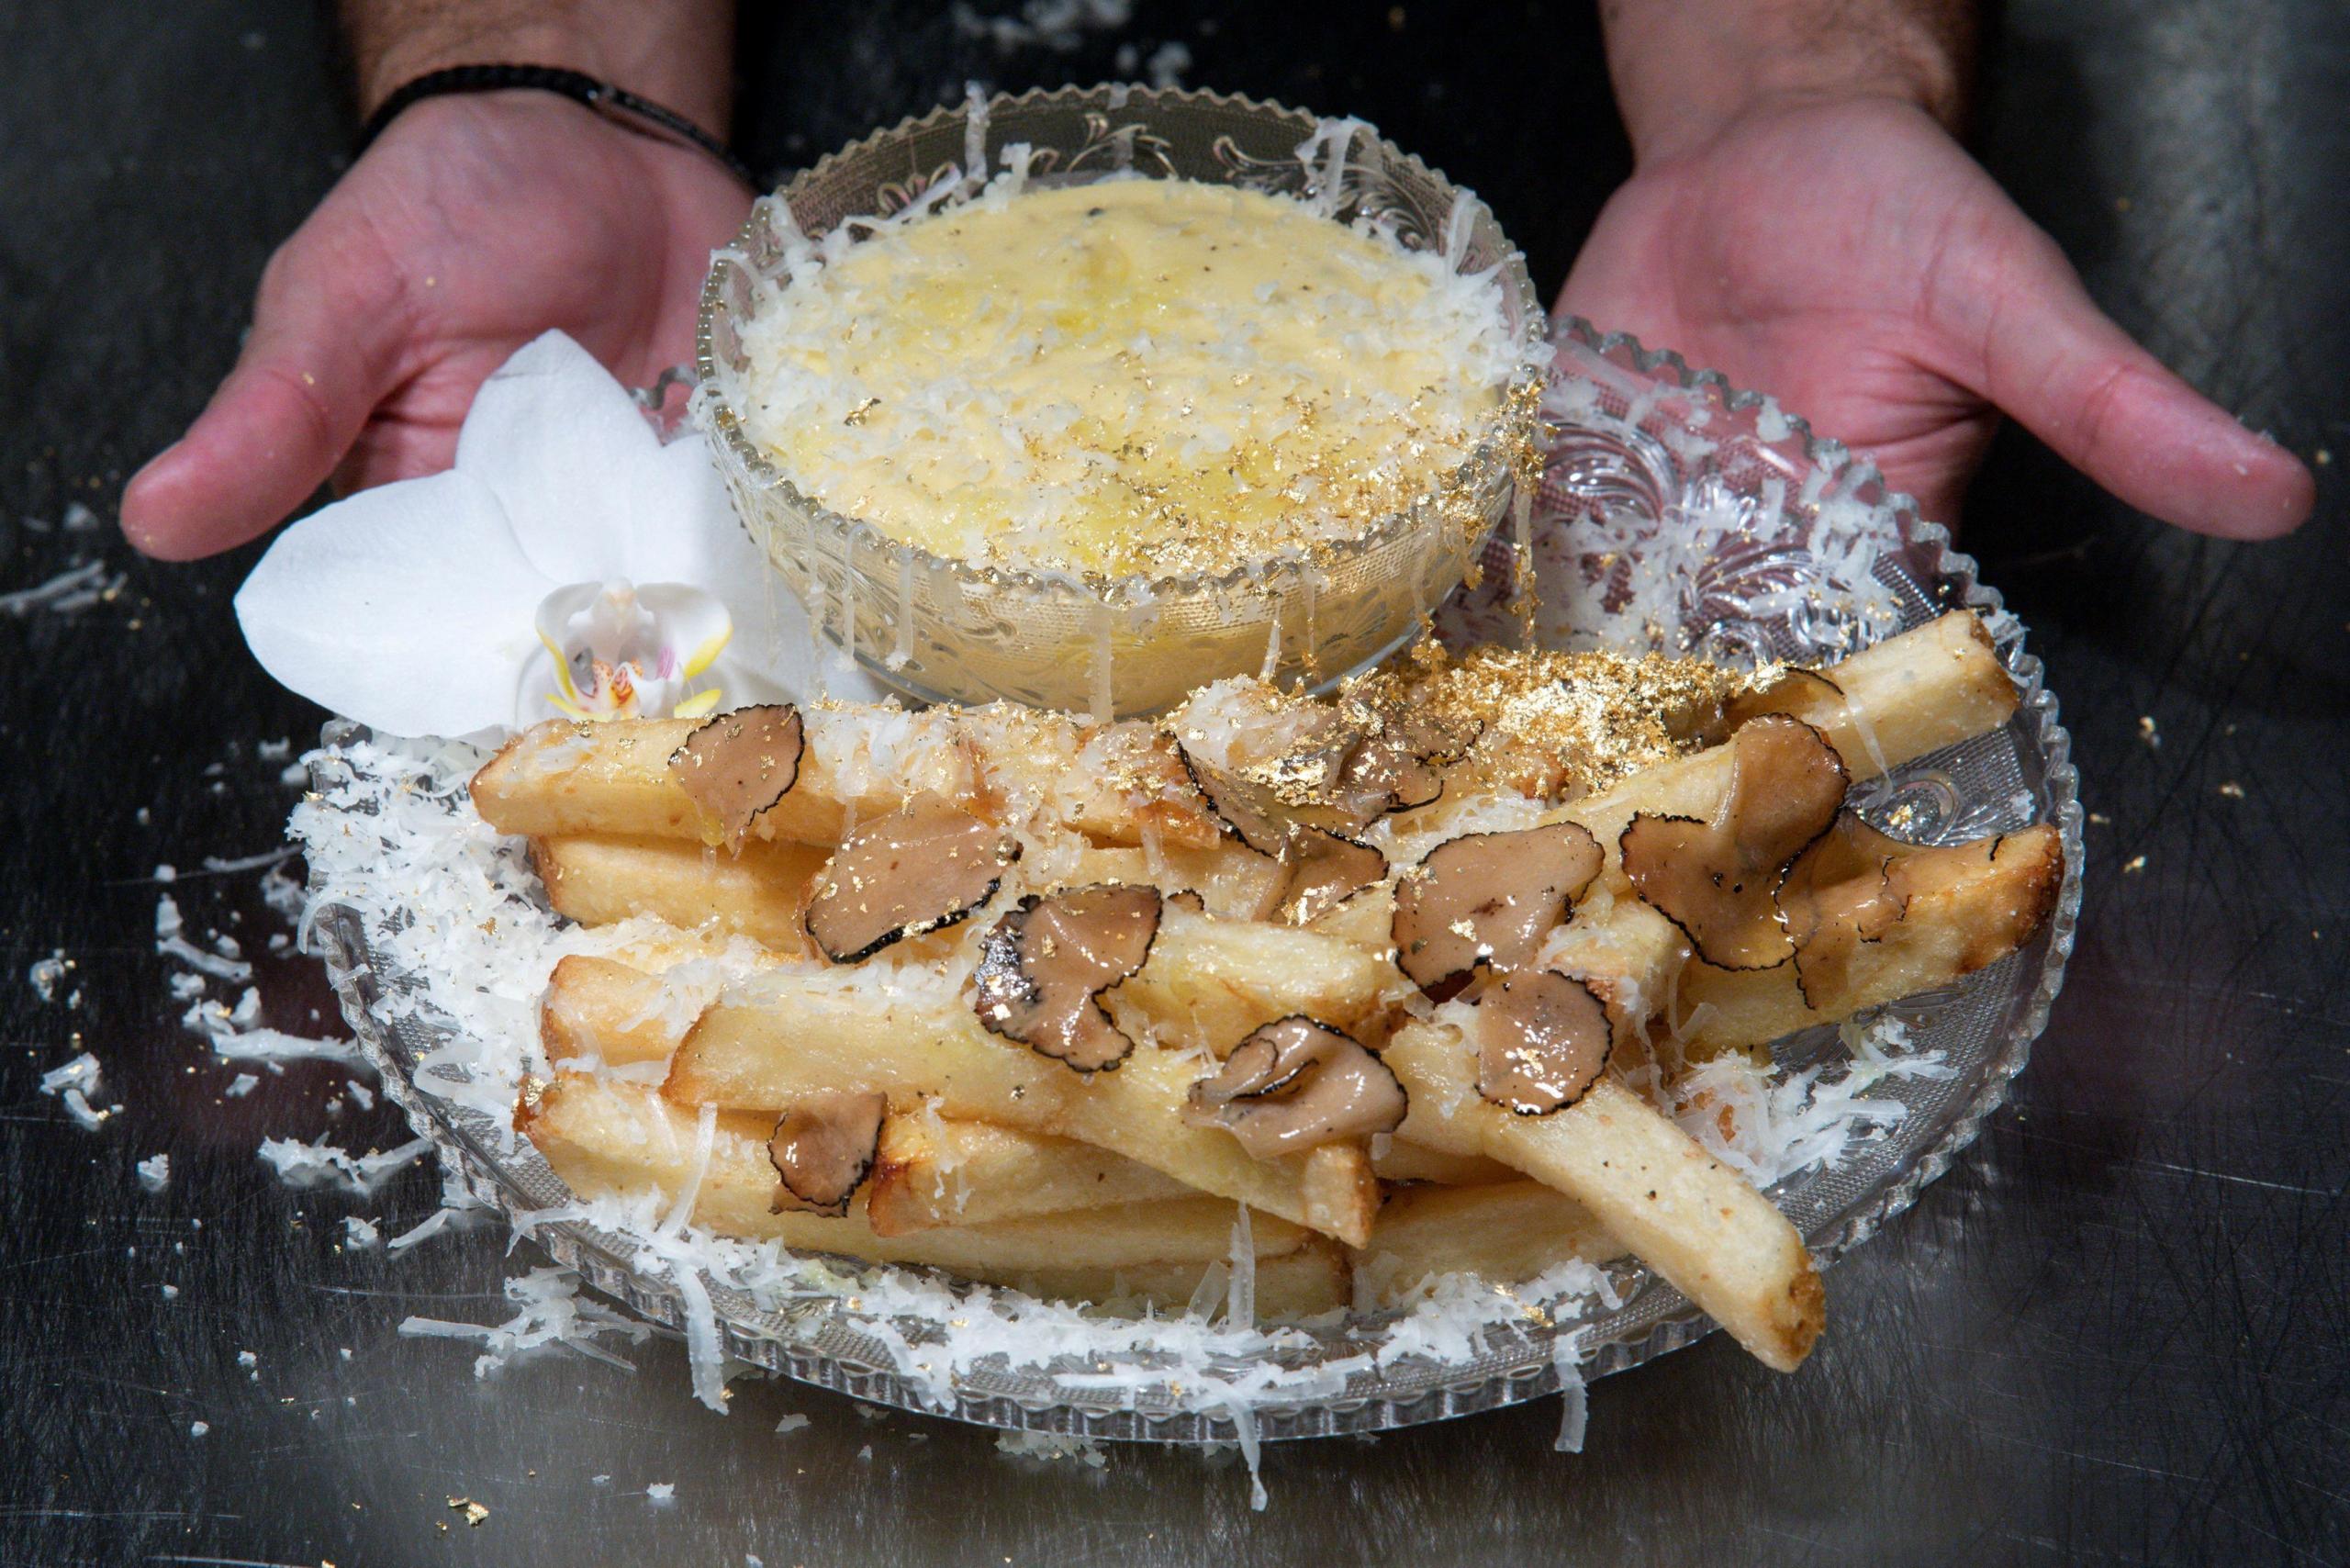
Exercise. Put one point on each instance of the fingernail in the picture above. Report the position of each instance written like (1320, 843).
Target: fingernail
(151, 463)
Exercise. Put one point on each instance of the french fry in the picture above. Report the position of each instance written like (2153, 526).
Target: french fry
(600, 880)
(604, 1010)
(1116, 785)
(605, 1138)
(1689, 1217)
(1209, 982)
(784, 1035)
(1906, 695)
(1930, 687)
(614, 780)
(934, 1171)
(758, 893)
(1970, 905)
(1503, 1232)
(1206, 984)
(1401, 1161)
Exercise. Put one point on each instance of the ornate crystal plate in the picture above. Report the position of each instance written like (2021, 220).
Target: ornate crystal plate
(1698, 518)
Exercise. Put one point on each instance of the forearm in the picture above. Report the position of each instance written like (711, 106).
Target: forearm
(1682, 69)
(676, 53)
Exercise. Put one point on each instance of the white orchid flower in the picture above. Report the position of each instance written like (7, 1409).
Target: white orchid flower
(569, 564)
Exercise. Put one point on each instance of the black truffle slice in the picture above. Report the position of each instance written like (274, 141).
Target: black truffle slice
(1044, 968)
(1325, 870)
(916, 871)
(1320, 866)
(1717, 881)
(1487, 901)
(739, 764)
(1542, 1040)
(1396, 764)
(1243, 808)
(1294, 1084)
(1847, 890)
(1796, 686)
(823, 1148)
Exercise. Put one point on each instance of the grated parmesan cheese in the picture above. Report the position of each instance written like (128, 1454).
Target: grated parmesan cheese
(45, 974)
(321, 1164)
(81, 1073)
(550, 1314)
(72, 590)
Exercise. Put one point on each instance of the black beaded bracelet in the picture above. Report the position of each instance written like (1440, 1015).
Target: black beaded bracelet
(626, 109)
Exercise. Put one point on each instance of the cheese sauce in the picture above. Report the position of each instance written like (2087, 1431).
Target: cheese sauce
(1154, 376)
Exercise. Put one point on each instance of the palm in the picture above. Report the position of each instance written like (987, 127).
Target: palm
(1853, 261)
(473, 226)
(606, 236)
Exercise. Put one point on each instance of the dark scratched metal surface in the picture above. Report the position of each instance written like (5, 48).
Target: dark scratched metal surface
(2116, 1332)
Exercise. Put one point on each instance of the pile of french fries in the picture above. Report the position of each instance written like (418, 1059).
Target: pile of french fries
(997, 1162)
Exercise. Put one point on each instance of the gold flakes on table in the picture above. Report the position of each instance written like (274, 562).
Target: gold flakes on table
(2149, 733)
(2231, 790)
(475, 1512)
(2136, 863)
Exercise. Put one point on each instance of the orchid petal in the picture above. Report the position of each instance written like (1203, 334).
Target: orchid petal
(570, 456)
(686, 530)
(408, 608)
(694, 623)
(705, 543)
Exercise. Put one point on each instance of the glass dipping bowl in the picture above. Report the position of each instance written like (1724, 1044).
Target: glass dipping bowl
(943, 629)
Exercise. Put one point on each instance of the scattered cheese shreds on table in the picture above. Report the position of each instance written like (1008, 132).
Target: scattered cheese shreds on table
(45, 974)
(156, 1172)
(73, 1084)
(321, 1164)
(86, 1115)
(551, 1313)
(251, 862)
(81, 1073)
(237, 1035)
(75, 588)
(272, 1047)
(218, 966)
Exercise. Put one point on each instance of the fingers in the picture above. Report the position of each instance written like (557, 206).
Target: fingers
(325, 349)
(2054, 362)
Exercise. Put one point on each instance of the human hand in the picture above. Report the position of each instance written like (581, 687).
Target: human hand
(474, 224)
(1849, 258)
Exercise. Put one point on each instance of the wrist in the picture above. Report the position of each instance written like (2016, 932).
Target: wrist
(1686, 70)
(677, 53)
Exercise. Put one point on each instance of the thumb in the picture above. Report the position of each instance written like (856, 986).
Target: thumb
(325, 349)
(2053, 361)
